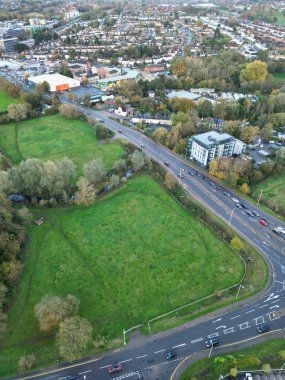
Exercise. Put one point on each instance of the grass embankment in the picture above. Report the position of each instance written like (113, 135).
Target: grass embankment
(278, 77)
(54, 137)
(5, 100)
(128, 258)
(273, 193)
(209, 369)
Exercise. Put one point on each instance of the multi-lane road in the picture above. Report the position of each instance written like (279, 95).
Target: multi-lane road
(144, 358)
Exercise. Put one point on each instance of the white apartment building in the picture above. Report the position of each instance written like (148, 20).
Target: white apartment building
(205, 147)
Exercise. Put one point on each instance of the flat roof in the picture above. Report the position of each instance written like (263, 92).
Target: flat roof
(132, 74)
(212, 137)
(183, 94)
(54, 79)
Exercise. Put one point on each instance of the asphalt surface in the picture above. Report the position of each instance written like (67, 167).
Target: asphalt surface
(144, 358)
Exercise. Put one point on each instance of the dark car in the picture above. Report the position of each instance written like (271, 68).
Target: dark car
(238, 205)
(255, 213)
(243, 205)
(226, 193)
(115, 368)
(166, 163)
(190, 172)
(120, 131)
(170, 355)
(249, 213)
(198, 174)
(263, 328)
(211, 342)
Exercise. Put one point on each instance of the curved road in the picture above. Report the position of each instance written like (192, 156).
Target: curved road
(144, 358)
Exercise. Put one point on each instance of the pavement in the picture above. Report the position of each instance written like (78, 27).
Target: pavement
(144, 358)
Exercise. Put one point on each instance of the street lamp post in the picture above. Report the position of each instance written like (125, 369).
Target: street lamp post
(240, 286)
(232, 211)
(260, 195)
(211, 349)
(185, 153)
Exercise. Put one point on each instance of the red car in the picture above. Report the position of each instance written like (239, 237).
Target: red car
(115, 368)
(264, 222)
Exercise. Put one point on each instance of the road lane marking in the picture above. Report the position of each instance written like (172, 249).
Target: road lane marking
(179, 345)
(237, 316)
(221, 327)
(106, 366)
(271, 297)
(244, 325)
(125, 361)
(272, 316)
(157, 352)
(143, 356)
(213, 335)
(259, 318)
(260, 307)
(275, 301)
(250, 311)
(217, 320)
(274, 307)
(196, 340)
(229, 330)
(82, 373)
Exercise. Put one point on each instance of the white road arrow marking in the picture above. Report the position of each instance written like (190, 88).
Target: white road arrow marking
(274, 307)
(272, 296)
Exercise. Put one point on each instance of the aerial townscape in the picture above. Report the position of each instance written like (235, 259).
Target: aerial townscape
(142, 189)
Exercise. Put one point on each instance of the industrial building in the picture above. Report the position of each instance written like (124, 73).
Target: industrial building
(57, 82)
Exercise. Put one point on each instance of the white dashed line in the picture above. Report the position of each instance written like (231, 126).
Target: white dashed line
(229, 330)
(125, 361)
(260, 307)
(157, 352)
(213, 335)
(237, 316)
(82, 373)
(143, 356)
(221, 327)
(250, 311)
(106, 366)
(179, 345)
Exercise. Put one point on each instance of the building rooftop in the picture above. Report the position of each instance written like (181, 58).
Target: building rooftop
(53, 79)
(183, 94)
(209, 138)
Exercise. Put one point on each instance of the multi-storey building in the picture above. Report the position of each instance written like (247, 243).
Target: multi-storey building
(8, 44)
(205, 147)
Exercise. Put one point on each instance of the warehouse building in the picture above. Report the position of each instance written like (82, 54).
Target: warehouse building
(57, 82)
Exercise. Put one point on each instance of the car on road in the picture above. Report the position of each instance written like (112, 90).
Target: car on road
(142, 145)
(166, 163)
(120, 131)
(263, 222)
(248, 376)
(170, 355)
(198, 174)
(115, 368)
(211, 342)
(279, 230)
(190, 172)
(263, 328)
(249, 213)
(243, 205)
(238, 205)
(255, 213)
(235, 200)
(226, 193)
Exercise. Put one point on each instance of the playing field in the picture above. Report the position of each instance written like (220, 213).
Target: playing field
(5, 100)
(128, 258)
(273, 190)
(54, 137)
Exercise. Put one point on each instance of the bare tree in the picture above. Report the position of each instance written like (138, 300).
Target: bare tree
(86, 192)
(18, 112)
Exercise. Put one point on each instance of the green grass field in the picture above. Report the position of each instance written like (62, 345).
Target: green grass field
(278, 77)
(280, 19)
(54, 137)
(273, 190)
(5, 100)
(128, 258)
